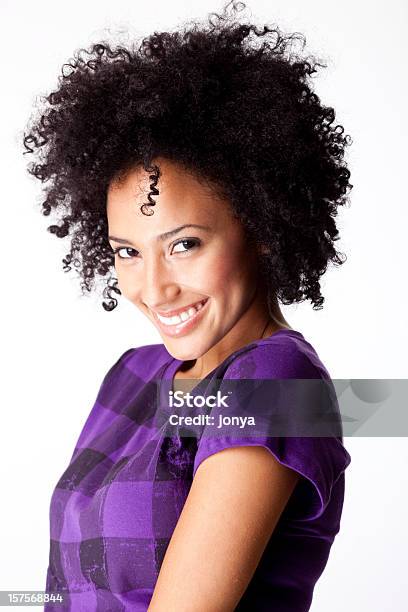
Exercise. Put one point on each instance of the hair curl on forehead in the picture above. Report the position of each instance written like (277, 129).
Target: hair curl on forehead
(229, 101)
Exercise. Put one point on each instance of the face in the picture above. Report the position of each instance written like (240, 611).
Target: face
(189, 267)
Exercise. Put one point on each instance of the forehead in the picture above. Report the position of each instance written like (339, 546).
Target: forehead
(182, 198)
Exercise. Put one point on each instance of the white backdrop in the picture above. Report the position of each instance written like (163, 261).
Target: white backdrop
(57, 345)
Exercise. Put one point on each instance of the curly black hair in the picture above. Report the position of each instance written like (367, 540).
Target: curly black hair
(230, 102)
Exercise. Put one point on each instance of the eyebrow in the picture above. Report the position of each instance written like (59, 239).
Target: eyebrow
(166, 235)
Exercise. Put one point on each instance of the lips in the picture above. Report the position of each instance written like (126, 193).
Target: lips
(181, 327)
(172, 313)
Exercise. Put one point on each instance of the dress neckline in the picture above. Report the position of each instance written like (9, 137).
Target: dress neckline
(173, 364)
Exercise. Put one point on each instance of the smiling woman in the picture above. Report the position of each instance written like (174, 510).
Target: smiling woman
(184, 281)
(199, 175)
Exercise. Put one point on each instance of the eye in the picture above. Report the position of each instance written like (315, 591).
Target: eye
(186, 242)
(124, 252)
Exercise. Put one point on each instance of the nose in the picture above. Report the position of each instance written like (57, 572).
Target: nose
(159, 287)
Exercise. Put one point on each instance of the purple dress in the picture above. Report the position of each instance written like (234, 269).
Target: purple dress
(114, 509)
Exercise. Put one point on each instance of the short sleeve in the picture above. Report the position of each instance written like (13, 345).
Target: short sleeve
(320, 461)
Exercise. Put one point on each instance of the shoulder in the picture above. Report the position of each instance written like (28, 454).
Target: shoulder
(142, 361)
(285, 354)
(146, 360)
(132, 370)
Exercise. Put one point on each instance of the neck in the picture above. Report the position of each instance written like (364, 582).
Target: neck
(258, 321)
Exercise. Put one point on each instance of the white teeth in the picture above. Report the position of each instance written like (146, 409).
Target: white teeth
(183, 316)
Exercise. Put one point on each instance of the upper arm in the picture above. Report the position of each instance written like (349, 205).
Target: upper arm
(234, 503)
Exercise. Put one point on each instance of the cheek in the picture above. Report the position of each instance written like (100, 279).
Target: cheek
(221, 271)
(126, 281)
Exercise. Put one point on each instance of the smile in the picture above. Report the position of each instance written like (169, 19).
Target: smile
(183, 316)
(183, 322)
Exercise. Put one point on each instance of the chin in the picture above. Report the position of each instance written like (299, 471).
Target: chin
(184, 349)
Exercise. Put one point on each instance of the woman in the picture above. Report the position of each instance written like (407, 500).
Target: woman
(204, 171)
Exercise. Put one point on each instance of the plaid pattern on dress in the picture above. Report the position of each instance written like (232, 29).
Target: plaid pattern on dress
(114, 509)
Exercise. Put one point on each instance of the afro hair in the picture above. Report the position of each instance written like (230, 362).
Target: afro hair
(230, 101)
